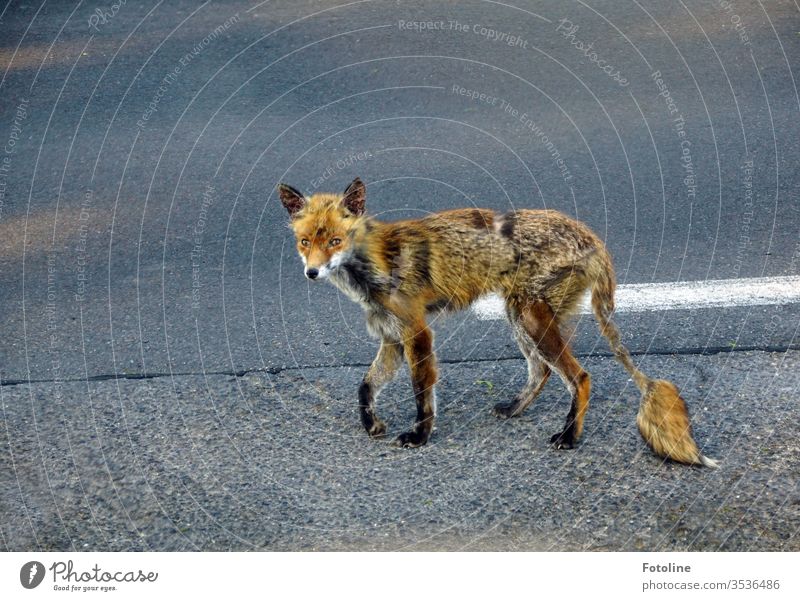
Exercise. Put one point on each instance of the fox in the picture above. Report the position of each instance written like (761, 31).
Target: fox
(540, 261)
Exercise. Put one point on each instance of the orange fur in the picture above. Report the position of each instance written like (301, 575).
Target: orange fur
(540, 261)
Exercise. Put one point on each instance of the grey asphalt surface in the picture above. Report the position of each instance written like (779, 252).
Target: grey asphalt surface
(281, 462)
(168, 378)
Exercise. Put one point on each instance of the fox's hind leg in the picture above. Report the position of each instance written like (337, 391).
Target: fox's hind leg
(381, 372)
(541, 324)
(538, 372)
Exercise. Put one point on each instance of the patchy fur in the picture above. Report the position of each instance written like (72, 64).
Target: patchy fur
(540, 261)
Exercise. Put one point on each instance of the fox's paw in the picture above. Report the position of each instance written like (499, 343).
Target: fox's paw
(505, 410)
(374, 426)
(377, 429)
(565, 439)
(411, 439)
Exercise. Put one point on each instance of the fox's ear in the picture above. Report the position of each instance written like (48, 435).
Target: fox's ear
(355, 197)
(291, 198)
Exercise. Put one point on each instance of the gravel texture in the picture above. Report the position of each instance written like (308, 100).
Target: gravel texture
(278, 461)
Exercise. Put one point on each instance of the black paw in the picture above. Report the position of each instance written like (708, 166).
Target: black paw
(377, 429)
(564, 440)
(505, 410)
(411, 439)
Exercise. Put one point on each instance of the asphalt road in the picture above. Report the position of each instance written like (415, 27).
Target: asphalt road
(151, 300)
(280, 462)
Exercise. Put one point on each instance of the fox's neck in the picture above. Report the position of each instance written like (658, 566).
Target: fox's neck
(361, 274)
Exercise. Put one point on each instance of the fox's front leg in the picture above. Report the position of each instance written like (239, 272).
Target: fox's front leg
(418, 346)
(380, 373)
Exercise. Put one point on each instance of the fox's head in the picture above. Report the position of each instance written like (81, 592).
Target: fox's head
(324, 225)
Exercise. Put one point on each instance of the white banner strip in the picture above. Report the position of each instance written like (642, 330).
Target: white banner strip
(401, 576)
(631, 298)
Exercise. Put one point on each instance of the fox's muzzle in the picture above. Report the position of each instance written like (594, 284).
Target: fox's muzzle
(324, 270)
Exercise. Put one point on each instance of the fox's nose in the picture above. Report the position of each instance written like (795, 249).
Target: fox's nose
(312, 273)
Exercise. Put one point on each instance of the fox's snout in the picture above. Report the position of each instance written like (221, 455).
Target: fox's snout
(319, 266)
(315, 265)
(318, 271)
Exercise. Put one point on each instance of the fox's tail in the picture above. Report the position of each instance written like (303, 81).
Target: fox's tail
(663, 419)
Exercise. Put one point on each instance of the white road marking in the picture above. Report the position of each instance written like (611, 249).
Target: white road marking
(632, 298)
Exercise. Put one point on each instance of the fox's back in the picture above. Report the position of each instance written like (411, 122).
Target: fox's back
(465, 253)
(453, 257)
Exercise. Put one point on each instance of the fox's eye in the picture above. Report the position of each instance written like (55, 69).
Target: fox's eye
(304, 242)
(335, 242)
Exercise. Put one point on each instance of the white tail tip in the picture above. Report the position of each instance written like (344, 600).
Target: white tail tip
(708, 462)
